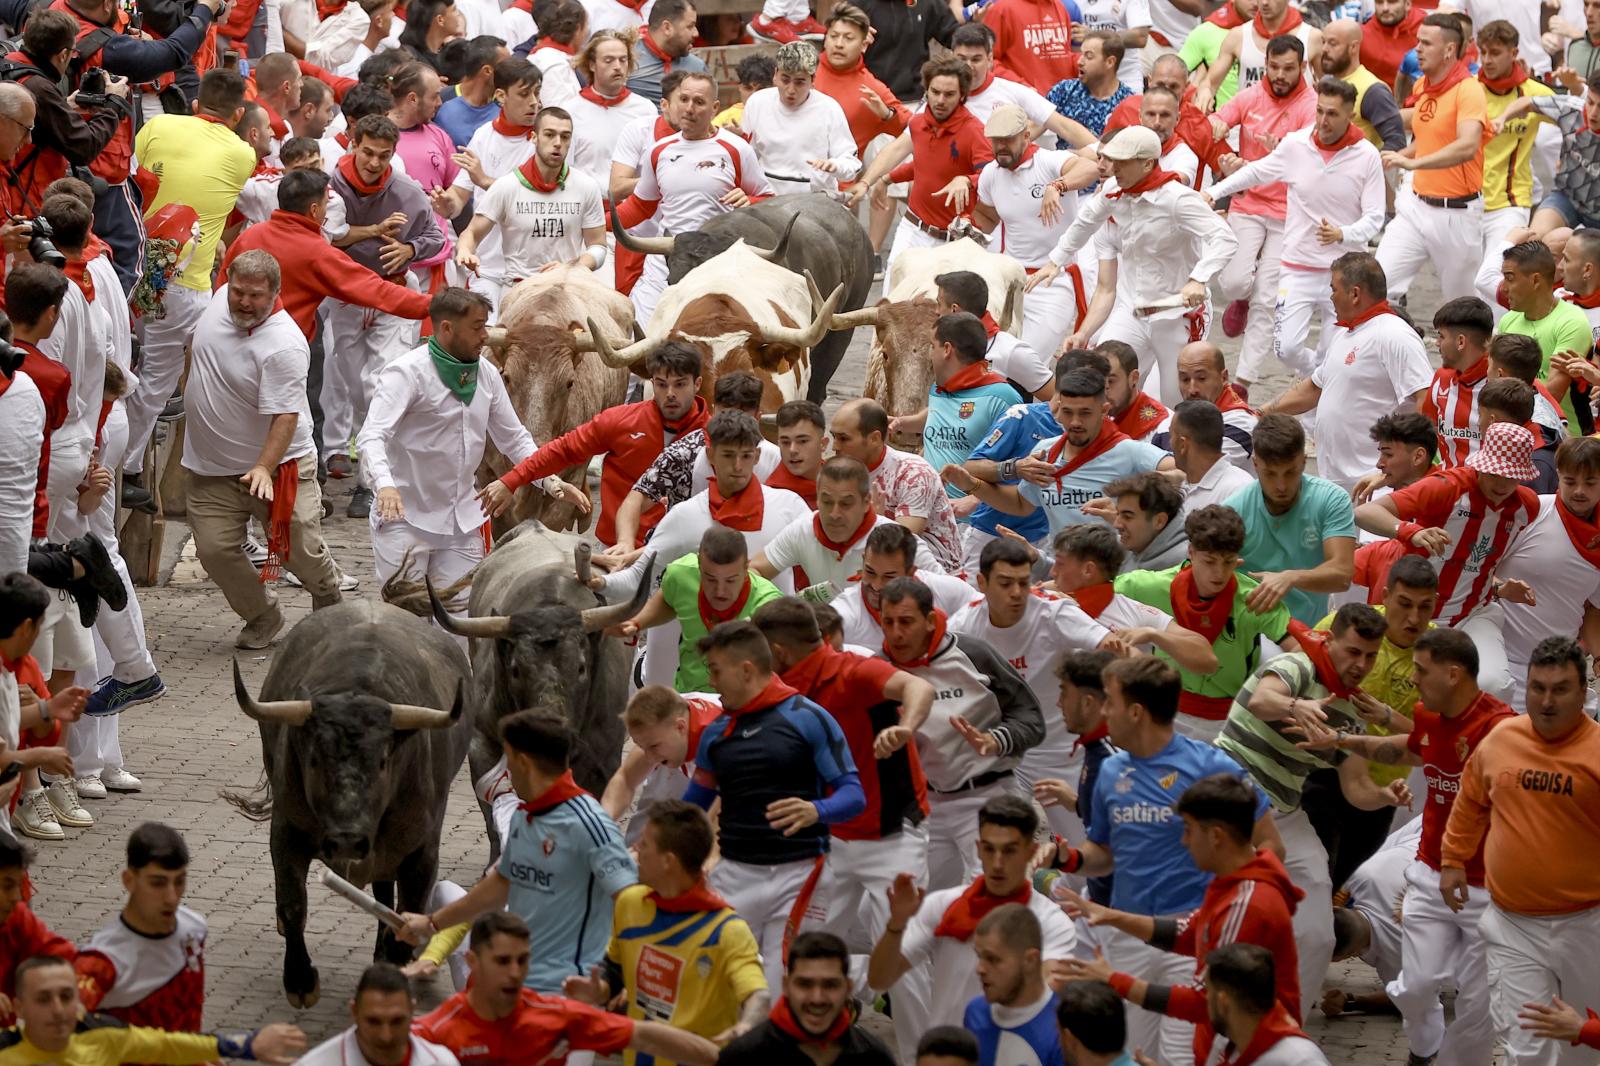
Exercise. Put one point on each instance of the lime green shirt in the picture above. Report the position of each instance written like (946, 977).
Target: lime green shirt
(1564, 329)
(1202, 46)
(1390, 681)
(680, 587)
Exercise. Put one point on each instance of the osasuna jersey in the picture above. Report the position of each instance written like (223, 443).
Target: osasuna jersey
(158, 981)
(690, 178)
(861, 626)
(1016, 195)
(345, 1050)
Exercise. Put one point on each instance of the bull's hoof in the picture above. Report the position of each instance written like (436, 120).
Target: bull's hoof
(307, 999)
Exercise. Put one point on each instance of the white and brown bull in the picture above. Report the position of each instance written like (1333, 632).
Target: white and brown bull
(555, 377)
(743, 313)
(900, 366)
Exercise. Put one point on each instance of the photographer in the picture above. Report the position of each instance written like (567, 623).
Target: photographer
(17, 113)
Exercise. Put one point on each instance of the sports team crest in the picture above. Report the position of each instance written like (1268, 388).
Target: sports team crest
(966, 409)
(549, 845)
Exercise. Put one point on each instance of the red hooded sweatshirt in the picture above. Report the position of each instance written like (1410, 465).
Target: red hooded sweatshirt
(1253, 905)
(1276, 1029)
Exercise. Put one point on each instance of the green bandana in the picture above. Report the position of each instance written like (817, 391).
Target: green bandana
(460, 378)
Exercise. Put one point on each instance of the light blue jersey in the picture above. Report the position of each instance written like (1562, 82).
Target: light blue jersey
(1063, 501)
(959, 421)
(564, 865)
(1293, 540)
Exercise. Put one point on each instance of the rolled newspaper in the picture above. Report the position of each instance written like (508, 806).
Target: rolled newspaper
(361, 899)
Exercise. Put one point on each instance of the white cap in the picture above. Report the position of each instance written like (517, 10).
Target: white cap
(1133, 142)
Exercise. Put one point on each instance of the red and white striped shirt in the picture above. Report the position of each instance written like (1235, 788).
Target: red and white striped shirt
(1452, 404)
(1480, 533)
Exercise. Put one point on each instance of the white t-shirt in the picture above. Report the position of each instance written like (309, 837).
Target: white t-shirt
(1217, 486)
(596, 131)
(1013, 358)
(690, 178)
(238, 381)
(1168, 22)
(797, 545)
(21, 440)
(259, 197)
(1015, 195)
(1005, 91)
(950, 594)
(1123, 612)
(1368, 372)
(541, 227)
(786, 138)
(1119, 16)
(345, 1050)
(610, 15)
(500, 155)
(1563, 581)
(560, 86)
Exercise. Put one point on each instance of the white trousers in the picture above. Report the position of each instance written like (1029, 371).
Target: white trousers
(1158, 340)
(1252, 274)
(1302, 296)
(1307, 862)
(1202, 729)
(164, 342)
(857, 876)
(69, 464)
(121, 633)
(953, 833)
(357, 342)
(1169, 1041)
(907, 235)
(765, 897)
(1532, 960)
(1436, 943)
(443, 558)
(1451, 238)
(1486, 627)
(1067, 766)
(1050, 312)
(63, 643)
(1496, 224)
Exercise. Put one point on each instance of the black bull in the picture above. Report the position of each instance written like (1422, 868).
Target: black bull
(809, 232)
(363, 727)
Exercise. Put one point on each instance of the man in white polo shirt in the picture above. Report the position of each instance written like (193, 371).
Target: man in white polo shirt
(890, 551)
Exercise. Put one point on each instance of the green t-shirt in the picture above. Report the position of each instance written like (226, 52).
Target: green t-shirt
(1565, 329)
(1390, 682)
(680, 587)
(1238, 646)
(1264, 749)
(1202, 46)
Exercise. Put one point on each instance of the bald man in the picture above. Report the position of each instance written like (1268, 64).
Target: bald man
(904, 485)
(1377, 114)
(1203, 375)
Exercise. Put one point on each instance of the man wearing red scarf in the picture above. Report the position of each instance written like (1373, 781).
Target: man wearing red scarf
(968, 395)
(784, 772)
(1244, 48)
(929, 935)
(1136, 414)
(1241, 983)
(1193, 127)
(1203, 375)
(1389, 35)
(664, 48)
(814, 1021)
(1451, 403)
(890, 553)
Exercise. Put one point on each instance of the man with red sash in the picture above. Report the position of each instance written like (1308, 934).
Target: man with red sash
(1388, 35)
(879, 708)
(814, 1019)
(1467, 517)
(1465, 325)
(1241, 980)
(925, 953)
(785, 774)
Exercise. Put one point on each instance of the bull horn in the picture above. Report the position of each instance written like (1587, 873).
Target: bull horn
(642, 245)
(496, 343)
(407, 716)
(596, 619)
(620, 360)
(494, 627)
(1009, 309)
(862, 316)
(775, 255)
(769, 418)
(282, 712)
(808, 337)
(580, 563)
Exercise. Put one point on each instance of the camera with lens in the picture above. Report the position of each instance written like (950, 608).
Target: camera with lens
(41, 243)
(93, 82)
(11, 357)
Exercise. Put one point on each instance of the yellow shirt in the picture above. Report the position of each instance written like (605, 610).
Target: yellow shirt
(101, 1040)
(1390, 681)
(1508, 157)
(691, 969)
(733, 116)
(201, 164)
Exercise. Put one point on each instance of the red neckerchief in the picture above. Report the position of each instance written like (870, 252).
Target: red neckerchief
(280, 517)
(775, 693)
(805, 488)
(976, 89)
(1457, 75)
(1027, 154)
(782, 1017)
(1502, 86)
(1272, 1030)
(948, 128)
(1093, 736)
(1300, 86)
(633, 5)
(869, 520)
(651, 47)
(510, 129)
(1291, 19)
(78, 271)
(1108, 437)
(1583, 532)
(1591, 300)
(960, 919)
(1380, 308)
(262, 169)
(742, 510)
(1351, 136)
(990, 326)
(347, 167)
(530, 174)
(1193, 612)
(1151, 181)
(588, 93)
(525, 6)
(1230, 400)
(934, 640)
(561, 790)
(1227, 17)
(1142, 416)
(1468, 377)
(662, 128)
(342, 139)
(213, 119)
(1094, 599)
(555, 46)
(971, 376)
(696, 418)
(711, 617)
(698, 898)
(1315, 645)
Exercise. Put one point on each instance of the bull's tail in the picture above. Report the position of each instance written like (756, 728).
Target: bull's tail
(409, 593)
(257, 809)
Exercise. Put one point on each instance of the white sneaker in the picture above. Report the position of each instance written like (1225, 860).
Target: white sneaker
(36, 819)
(254, 550)
(116, 779)
(63, 798)
(347, 582)
(90, 787)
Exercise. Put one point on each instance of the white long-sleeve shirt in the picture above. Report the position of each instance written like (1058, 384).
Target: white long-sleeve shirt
(21, 439)
(423, 441)
(1347, 190)
(79, 343)
(786, 137)
(595, 130)
(1163, 238)
(560, 86)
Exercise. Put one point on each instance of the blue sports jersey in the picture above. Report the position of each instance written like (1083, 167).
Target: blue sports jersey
(1016, 434)
(1063, 503)
(793, 748)
(1134, 815)
(958, 422)
(1015, 1036)
(564, 865)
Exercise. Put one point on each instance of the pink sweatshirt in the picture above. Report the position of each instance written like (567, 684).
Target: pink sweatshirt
(426, 151)
(1256, 111)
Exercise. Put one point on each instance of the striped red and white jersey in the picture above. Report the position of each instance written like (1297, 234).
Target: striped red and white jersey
(1452, 404)
(1480, 533)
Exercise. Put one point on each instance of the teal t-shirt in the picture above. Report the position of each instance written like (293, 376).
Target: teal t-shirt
(1293, 540)
(959, 421)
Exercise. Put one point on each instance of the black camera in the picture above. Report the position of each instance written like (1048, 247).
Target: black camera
(41, 246)
(93, 82)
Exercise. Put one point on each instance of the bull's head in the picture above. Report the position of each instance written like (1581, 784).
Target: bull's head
(900, 370)
(344, 742)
